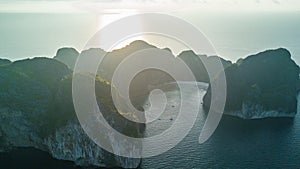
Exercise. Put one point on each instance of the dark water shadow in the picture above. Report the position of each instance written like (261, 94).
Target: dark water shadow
(31, 158)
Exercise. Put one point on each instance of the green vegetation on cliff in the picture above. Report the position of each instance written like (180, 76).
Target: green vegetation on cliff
(267, 81)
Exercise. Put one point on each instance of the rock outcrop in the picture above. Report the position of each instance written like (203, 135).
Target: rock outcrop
(36, 106)
(200, 63)
(67, 56)
(149, 79)
(36, 110)
(262, 85)
(4, 62)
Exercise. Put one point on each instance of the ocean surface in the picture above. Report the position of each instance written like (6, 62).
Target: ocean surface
(262, 143)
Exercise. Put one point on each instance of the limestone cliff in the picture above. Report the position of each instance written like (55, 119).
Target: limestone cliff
(262, 85)
(36, 110)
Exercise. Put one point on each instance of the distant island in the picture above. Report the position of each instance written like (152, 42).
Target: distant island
(36, 107)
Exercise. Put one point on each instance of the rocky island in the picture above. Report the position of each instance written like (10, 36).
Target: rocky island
(36, 107)
(36, 110)
(262, 85)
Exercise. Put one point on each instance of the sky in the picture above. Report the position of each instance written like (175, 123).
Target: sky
(118, 6)
(236, 28)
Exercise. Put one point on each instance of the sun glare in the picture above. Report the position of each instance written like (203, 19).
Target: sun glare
(106, 19)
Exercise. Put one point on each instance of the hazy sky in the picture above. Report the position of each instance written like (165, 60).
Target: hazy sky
(236, 28)
(117, 6)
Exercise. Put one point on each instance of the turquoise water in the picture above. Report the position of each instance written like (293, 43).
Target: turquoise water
(265, 143)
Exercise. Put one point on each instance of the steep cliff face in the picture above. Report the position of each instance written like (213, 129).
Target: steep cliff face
(36, 110)
(262, 85)
(71, 143)
(200, 63)
(68, 142)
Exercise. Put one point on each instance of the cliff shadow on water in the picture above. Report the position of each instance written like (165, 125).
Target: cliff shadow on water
(23, 158)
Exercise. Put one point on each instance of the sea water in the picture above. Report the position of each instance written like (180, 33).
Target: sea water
(236, 143)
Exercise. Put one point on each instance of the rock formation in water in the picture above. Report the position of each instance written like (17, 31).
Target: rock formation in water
(112, 60)
(261, 85)
(149, 79)
(36, 110)
(36, 107)
(200, 63)
(67, 56)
